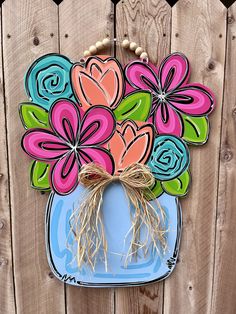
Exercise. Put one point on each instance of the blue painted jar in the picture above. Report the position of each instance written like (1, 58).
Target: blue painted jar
(117, 223)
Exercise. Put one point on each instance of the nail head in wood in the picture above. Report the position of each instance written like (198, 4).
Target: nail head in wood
(111, 17)
(230, 19)
(36, 41)
(211, 65)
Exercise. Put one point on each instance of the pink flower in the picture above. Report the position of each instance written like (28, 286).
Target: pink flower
(72, 142)
(172, 96)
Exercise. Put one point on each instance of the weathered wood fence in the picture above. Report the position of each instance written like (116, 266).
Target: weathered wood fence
(204, 280)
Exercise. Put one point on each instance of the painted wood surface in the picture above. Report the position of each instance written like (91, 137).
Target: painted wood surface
(190, 288)
(204, 280)
(224, 294)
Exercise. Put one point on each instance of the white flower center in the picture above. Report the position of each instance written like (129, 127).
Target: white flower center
(161, 96)
(72, 147)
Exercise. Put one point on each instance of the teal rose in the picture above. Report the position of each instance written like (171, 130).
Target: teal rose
(170, 157)
(48, 79)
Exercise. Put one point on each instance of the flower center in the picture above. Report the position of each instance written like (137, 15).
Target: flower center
(161, 96)
(73, 147)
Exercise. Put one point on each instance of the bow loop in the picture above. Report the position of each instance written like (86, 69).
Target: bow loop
(137, 176)
(92, 174)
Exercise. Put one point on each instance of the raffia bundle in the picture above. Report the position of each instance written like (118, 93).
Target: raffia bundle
(87, 221)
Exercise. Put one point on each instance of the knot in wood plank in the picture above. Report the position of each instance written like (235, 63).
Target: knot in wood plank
(226, 155)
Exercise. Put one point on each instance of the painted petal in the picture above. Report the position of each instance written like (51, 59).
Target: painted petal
(111, 79)
(170, 124)
(141, 75)
(97, 126)
(99, 82)
(110, 84)
(129, 131)
(117, 147)
(65, 120)
(174, 71)
(43, 145)
(193, 99)
(138, 151)
(98, 155)
(132, 142)
(64, 175)
(93, 93)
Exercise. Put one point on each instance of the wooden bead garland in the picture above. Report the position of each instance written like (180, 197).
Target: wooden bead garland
(139, 51)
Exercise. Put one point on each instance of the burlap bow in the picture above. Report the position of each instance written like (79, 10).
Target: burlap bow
(87, 222)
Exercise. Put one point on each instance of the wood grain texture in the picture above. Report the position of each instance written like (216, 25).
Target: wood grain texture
(82, 24)
(6, 264)
(27, 34)
(224, 292)
(148, 23)
(199, 31)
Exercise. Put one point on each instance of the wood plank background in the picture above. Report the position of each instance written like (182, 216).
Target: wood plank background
(204, 280)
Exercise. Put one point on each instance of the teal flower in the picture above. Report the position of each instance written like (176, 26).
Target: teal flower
(48, 79)
(169, 159)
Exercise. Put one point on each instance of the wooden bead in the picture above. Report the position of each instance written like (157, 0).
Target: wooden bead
(139, 51)
(99, 45)
(87, 53)
(143, 55)
(106, 42)
(93, 49)
(125, 43)
(133, 46)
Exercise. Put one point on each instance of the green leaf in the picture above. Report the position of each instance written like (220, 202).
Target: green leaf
(33, 116)
(178, 186)
(155, 191)
(39, 175)
(195, 129)
(135, 106)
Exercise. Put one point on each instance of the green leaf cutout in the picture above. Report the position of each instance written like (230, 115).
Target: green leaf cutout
(33, 116)
(155, 191)
(195, 129)
(178, 186)
(135, 106)
(39, 176)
